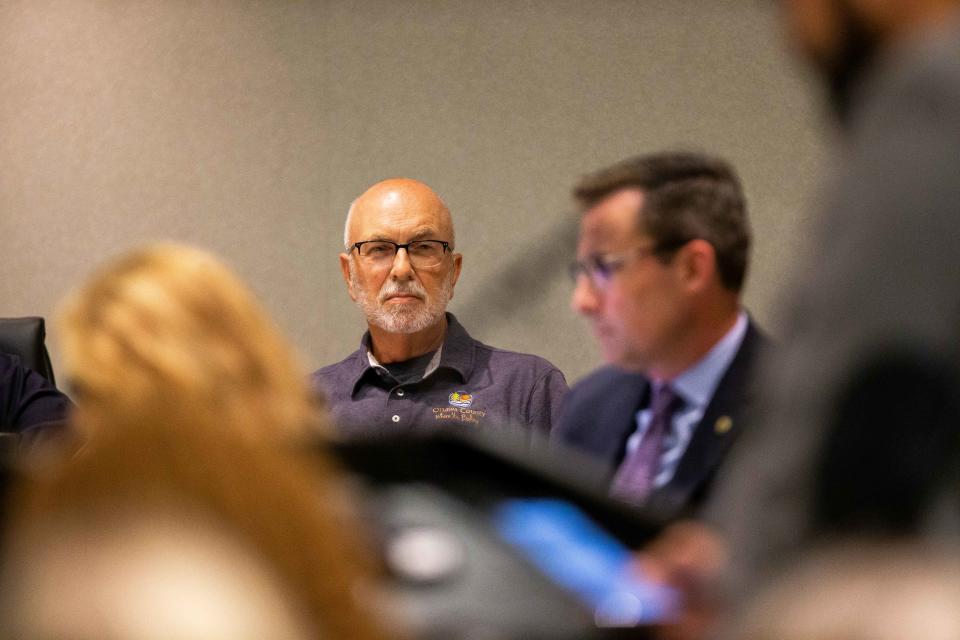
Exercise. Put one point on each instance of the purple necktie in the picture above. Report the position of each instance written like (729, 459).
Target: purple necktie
(633, 481)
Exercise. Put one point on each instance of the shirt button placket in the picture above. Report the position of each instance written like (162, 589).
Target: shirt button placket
(398, 393)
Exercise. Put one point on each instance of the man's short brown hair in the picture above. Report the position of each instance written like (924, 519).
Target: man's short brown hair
(687, 196)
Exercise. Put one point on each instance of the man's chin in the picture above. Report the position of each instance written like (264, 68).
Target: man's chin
(403, 321)
(401, 313)
(622, 359)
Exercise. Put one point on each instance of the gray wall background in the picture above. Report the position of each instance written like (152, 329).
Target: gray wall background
(248, 127)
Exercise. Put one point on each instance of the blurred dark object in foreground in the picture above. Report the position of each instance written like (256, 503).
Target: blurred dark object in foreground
(436, 502)
(440, 507)
(892, 451)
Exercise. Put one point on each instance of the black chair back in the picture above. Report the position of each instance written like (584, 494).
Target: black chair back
(25, 337)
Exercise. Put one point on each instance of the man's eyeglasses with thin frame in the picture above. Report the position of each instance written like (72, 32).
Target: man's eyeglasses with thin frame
(600, 268)
(423, 254)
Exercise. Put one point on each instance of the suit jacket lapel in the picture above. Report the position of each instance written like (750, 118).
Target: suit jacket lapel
(616, 420)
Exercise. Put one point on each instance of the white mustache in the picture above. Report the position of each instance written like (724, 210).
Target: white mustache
(392, 288)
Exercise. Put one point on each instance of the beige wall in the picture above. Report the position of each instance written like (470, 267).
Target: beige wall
(247, 127)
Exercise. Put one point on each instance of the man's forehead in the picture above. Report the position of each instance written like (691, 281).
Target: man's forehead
(614, 217)
(394, 212)
(388, 224)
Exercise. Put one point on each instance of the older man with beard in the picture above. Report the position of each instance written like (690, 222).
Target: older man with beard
(417, 368)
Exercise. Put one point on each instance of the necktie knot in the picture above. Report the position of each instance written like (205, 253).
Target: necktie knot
(637, 474)
(665, 400)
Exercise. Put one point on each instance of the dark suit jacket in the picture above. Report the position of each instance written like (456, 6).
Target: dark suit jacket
(598, 417)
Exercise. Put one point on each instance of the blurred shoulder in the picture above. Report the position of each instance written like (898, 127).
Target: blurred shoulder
(514, 360)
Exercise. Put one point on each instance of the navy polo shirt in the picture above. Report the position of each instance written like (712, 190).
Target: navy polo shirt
(467, 385)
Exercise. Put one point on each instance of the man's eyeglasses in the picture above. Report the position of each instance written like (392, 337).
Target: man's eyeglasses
(422, 254)
(599, 268)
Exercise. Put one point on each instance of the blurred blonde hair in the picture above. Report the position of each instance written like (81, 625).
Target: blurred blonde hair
(169, 332)
(291, 509)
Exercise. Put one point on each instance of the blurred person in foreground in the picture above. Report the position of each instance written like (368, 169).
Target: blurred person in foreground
(190, 404)
(861, 434)
(417, 367)
(178, 530)
(142, 577)
(168, 332)
(662, 259)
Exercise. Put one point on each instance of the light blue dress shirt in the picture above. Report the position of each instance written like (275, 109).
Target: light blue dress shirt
(695, 386)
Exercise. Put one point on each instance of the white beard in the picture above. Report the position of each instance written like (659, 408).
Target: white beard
(402, 318)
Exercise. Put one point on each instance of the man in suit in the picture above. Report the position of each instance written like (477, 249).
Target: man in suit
(661, 261)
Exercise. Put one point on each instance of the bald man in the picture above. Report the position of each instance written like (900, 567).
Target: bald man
(417, 368)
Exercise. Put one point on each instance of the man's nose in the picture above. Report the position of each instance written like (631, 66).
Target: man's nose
(585, 300)
(401, 269)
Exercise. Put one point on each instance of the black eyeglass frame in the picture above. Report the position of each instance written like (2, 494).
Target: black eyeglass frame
(397, 245)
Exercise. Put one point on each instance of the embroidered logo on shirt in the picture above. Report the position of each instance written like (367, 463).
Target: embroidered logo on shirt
(461, 399)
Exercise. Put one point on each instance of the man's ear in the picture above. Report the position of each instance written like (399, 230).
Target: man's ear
(345, 270)
(697, 262)
(457, 265)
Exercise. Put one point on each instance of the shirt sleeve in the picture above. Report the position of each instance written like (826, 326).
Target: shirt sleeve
(30, 402)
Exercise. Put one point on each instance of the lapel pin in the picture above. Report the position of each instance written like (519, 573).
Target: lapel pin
(723, 425)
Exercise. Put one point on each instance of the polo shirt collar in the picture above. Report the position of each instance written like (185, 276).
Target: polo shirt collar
(459, 349)
(456, 354)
